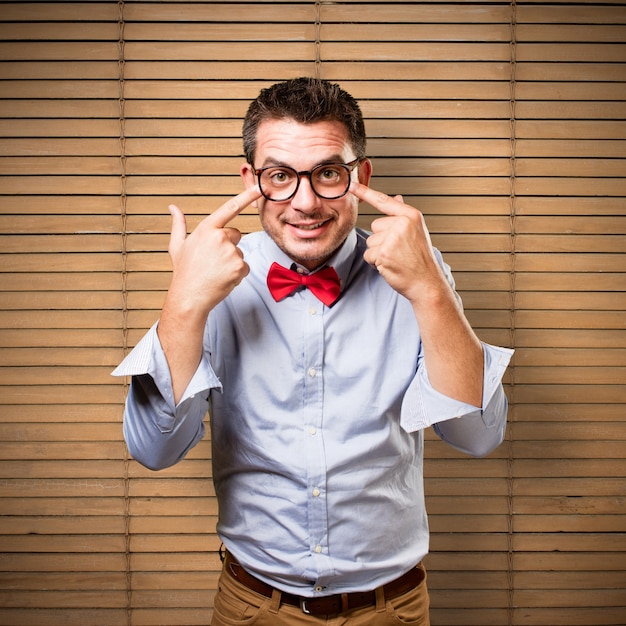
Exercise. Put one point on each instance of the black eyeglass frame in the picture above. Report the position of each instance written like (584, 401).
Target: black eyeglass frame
(349, 167)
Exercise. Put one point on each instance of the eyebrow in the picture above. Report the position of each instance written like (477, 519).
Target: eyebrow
(270, 162)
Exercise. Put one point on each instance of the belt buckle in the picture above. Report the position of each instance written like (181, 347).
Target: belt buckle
(303, 606)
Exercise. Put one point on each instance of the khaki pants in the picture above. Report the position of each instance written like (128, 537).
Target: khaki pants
(236, 605)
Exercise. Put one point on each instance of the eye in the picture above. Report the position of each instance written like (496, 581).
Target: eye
(278, 177)
(329, 174)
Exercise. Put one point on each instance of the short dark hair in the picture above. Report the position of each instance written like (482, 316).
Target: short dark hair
(305, 100)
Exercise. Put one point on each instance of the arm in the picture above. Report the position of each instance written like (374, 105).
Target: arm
(401, 250)
(457, 389)
(207, 266)
(472, 430)
(169, 392)
(159, 433)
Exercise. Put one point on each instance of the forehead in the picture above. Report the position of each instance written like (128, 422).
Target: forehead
(301, 145)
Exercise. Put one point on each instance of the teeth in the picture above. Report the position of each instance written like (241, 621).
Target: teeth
(310, 226)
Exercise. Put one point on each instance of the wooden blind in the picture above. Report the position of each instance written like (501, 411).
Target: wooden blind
(504, 122)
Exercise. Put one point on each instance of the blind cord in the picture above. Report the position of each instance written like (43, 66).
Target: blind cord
(512, 309)
(318, 39)
(124, 290)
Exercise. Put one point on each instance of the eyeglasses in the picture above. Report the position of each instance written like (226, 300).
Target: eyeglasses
(330, 181)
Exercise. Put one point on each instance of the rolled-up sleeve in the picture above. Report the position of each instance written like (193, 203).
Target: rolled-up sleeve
(158, 432)
(473, 430)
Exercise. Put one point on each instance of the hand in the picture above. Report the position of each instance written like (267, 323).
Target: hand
(401, 250)
(207, 264)
(400, 247)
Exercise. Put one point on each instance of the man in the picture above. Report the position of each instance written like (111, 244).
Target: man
(322, 352)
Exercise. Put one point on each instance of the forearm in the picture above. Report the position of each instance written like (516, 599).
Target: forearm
(452, 352)
(471, 429)
(158, 430)
(157, 434)
(480, 432)
(181, 333)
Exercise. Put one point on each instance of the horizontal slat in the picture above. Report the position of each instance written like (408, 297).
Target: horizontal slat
(189, 12)
(208, 51)
(599, 33)
(50, 165)
(569, 580)
(61, 432)
(38, 470)
(42, 412)
(69, 560)
(59, 11)
(23, 73)
(65, 205)
(58, 375)
(34, 50)
(571, 14)
(61, 127)
(65, 599)
(570, 110)
(66, 394)
(568, 523)
(565, 468)
(61, 224)
(66, 337)
(305, 30)
(566, 91)
(566, 52)
(59, 581)
(63, 31)
(571, 356)
(19, 109)
(566, 206)
(567, 71)
(60, 319)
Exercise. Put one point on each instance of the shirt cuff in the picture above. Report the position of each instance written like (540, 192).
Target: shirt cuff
(147, 357)
(424, 406)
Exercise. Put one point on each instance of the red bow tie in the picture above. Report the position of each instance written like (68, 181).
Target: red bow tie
(324, 284)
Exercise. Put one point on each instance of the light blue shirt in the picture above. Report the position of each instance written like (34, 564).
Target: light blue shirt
(317, 418)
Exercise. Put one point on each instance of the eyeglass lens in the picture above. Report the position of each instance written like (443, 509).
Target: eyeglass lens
(328, 181)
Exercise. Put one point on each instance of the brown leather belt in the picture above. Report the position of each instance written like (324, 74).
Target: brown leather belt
(327, 605)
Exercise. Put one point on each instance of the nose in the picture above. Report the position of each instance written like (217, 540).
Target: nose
(305, 200)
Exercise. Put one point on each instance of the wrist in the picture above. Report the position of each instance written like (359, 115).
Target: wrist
(433, 298)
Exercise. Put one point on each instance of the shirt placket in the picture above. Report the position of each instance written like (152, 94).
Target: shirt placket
(313, 402)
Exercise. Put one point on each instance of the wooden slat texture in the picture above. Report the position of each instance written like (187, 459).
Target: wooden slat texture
(503, 122)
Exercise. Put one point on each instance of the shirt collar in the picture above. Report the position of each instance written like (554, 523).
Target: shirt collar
(342, 260)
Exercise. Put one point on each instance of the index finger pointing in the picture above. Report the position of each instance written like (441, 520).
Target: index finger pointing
(379, 200)
(220, 217)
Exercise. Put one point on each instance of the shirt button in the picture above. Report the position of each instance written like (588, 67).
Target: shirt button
(313, 311)
(318, 549)
(316, 492)
(319, 588)
(312, 372)
(312, 430)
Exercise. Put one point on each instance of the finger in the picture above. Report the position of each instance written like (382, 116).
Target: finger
(233, 234)
(179, 230)
(230, 210)
(381, 201)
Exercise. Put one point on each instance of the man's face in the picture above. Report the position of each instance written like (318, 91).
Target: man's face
(307, 228)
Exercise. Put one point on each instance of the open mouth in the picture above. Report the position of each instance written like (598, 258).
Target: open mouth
(309, 227)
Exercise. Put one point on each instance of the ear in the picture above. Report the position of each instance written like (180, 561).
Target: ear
(247, 174)
(365, 172)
